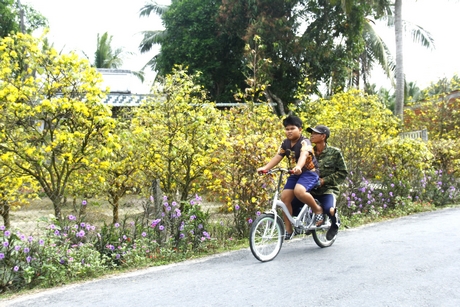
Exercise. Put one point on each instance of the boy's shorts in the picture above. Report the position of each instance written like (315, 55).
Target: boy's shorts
(309, 180)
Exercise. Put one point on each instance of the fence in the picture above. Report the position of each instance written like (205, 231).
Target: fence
(418, 134)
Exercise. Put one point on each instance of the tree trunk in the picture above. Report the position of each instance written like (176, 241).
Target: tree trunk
(115, 206)
(399, 103)
(57, 204)
(5, 212)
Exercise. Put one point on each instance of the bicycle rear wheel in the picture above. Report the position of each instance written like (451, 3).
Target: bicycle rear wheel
(319, 236)
(266, 237)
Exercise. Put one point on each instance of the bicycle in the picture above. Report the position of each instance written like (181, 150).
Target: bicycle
(268, 230)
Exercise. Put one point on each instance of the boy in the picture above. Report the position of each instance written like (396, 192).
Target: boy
(299, 151)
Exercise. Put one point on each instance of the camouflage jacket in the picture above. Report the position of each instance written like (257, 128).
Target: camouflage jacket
(332, 169)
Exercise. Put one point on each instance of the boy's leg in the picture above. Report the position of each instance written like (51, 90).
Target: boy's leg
(306, 182)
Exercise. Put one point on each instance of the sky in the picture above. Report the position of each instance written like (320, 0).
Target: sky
(74, 25)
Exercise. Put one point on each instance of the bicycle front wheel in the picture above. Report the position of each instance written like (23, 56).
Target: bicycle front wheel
(266, 237)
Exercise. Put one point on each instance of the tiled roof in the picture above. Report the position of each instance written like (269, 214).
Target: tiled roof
(132, 100)
(124, 100)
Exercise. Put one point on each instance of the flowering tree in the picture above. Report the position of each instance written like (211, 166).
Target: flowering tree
(52, 122)
(178, 131)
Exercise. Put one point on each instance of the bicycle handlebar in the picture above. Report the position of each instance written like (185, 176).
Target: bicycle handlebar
(277, 170)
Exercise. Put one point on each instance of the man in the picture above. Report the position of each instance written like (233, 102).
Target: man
(332, 171)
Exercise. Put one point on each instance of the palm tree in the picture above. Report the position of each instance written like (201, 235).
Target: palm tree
(376, 51)
(152, 37)
(105, 57)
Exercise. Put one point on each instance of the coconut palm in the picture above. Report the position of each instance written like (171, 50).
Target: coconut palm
(105, 57)
(152, 37)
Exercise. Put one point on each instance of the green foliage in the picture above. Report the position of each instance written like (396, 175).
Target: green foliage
(192, 39)
(10, 21)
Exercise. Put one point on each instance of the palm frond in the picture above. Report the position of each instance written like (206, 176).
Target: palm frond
(158, 9)
(378, 51)
(423, 37)
(151, 38)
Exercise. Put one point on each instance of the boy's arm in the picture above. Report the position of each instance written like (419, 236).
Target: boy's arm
(301, 162)
(274, 161)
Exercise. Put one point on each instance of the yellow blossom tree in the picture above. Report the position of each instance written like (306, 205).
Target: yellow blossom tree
(178, 131)
(52, 121)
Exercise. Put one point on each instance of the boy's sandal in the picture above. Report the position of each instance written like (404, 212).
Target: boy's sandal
(319, 219)
(288, 236)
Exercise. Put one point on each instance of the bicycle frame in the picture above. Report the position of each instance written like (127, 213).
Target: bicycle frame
(295, 221)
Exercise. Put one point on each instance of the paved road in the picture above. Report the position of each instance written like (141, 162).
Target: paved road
(412, 261)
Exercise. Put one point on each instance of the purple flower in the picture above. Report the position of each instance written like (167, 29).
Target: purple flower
(56, 232)
(72, 217)
(181, 236)
(174, 204)
(2, 255)
(30, 239)
(192, 217)
(5, 244)
(250, 221)
(2, 228)
(17, 248)
(237, 207)
(41, 242)
(26, 250)
(151, 198)
(161, 227)
(83, 203)
(80, 234)
(155, 222)
(28, 259)
(16, 268)
(200, 226)
(168, 208)
(117, 225)
(52, 226)
(118, 256)
(7, 233)
(144, 234)
(258, 213)
(82, 225)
